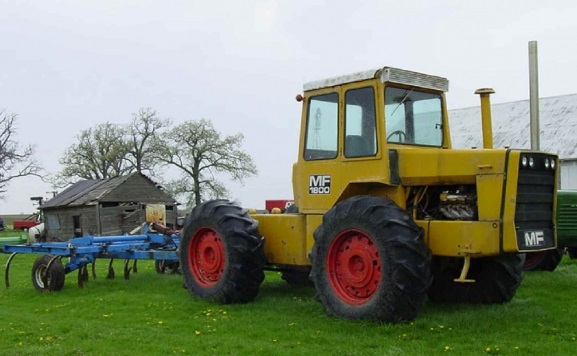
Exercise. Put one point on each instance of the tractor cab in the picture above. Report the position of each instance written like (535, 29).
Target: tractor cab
(353, 127)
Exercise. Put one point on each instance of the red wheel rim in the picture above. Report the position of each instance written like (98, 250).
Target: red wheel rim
(354, 267)
(206, 257)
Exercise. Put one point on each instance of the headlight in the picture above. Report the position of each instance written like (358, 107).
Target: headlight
(547, 163)
(553, 164)
(531, 162)
(524, 161)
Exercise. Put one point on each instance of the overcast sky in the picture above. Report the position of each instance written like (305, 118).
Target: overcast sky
(66, 66)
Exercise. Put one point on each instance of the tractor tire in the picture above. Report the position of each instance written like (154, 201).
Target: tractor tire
(167, 267)
(222, 253)
(369, 261)
(49, 279)
(543, 261)
(297, 276)
(496, 279)
(572, 252)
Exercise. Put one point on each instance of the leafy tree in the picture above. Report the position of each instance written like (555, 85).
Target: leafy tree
(15, 161)
(197, 149)
(110, 150)
(100, 153)
(145, 126)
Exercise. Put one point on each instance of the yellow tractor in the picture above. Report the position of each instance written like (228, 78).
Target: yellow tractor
(386, 213)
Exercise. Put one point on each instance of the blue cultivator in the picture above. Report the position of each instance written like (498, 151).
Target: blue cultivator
(157, 243)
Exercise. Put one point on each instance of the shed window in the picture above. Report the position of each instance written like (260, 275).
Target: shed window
(52, 221)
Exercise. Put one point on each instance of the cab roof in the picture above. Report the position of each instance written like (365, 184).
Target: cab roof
(385, 74)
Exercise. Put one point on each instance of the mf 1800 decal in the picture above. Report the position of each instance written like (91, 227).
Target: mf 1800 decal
(320, 184)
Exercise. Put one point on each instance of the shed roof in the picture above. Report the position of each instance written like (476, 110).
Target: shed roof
(91, 191)
(511, 126)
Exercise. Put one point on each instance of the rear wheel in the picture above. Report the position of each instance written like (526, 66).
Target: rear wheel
(222, 253)
(48, 273)
(369, 261)
(496, 279)
(543, 261)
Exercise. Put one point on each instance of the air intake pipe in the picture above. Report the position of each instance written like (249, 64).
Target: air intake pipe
(486, 116)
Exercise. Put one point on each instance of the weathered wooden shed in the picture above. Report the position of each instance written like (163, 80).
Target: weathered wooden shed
(106, 207)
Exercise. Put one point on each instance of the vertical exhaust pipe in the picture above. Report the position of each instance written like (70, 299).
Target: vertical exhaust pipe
(486, 116)
(534, 96)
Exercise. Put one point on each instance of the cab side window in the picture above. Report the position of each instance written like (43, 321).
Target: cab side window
(322, 127)
(360, 131)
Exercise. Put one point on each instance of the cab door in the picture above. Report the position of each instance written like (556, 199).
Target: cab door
(340, 147)
(317, 169)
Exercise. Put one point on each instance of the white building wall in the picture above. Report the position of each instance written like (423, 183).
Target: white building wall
(568, 172)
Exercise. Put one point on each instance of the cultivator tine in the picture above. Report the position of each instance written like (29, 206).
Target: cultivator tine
(127, 270)
(110, 274)
(135, 266)
(6, 273)
(85, 273)
(82, 276)
(94, 270)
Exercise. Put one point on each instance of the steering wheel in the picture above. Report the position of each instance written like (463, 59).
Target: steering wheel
(402, 135)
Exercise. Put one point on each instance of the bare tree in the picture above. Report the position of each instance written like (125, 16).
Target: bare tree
(197, 149)
(15, 161)
(145, 126)
(100, 153)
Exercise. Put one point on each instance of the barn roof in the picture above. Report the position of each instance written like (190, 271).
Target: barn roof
(557, 118)
(89, 192)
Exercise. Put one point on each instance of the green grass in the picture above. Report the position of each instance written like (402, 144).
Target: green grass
(153, 314)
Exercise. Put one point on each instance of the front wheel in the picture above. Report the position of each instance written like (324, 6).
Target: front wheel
(369, 261)
(48, 273)
(222, 255)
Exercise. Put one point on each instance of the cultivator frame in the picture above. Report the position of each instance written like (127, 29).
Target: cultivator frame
(157, 242)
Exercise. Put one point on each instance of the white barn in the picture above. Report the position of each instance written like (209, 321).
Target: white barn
(511, 128)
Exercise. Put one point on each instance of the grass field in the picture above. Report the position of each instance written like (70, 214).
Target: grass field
(153, 314)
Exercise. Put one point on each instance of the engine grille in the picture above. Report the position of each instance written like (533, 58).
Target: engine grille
(535, 199)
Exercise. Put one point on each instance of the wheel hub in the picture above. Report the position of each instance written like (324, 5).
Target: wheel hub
(354, 267)
(206, 256)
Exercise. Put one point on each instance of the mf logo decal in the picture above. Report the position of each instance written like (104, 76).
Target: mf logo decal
(534, 238)
(320, 184)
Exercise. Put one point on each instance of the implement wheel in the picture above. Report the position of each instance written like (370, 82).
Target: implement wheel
(496, 279)
(166, 266)
(369, 261)
(222, 253)
(48, 273)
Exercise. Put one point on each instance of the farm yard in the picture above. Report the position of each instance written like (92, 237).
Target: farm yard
(152, 314)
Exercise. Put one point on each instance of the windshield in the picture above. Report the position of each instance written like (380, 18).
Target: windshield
(413, 117)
